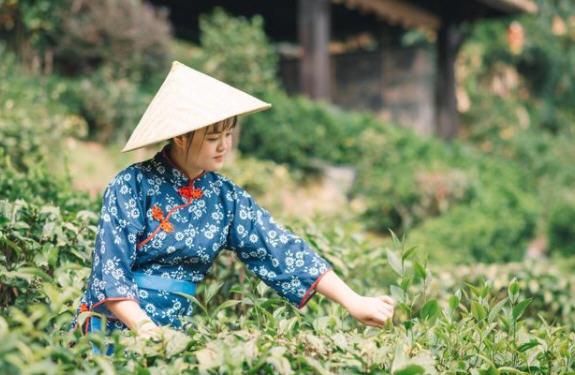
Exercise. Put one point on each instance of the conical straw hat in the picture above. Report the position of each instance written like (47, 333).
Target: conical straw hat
(188, 100)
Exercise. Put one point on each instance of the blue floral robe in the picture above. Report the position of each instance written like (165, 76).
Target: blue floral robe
(156, 220)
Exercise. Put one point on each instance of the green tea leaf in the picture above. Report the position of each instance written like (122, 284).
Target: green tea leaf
(394, 262)
(478, 311)
(410, 370)
(520, 308)
(430, 310)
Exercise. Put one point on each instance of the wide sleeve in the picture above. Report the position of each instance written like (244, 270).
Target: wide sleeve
(281, 259)
(120, 225)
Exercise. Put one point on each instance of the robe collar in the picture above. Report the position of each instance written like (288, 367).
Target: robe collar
(186, 186)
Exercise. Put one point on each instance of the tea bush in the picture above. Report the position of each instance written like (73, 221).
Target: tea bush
(561, 230)
(550, 289)
(517, 321)
(32, 120)
(307, 130)
(479, 328)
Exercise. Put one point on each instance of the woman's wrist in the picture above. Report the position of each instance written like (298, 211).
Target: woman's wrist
(338, 291)
(351, 300)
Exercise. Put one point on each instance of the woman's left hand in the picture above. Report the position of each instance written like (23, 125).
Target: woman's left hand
(372, 311)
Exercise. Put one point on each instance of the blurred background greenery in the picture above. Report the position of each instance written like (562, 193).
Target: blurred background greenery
(69, 75)
(74, 86)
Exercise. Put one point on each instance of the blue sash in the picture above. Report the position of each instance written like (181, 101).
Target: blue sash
(147, 282)
(161, 283)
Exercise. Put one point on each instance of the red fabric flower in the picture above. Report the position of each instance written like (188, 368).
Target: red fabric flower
(190, 192)
(157, 213)
(167, 226)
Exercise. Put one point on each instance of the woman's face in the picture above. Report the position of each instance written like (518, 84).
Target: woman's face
(208, 148)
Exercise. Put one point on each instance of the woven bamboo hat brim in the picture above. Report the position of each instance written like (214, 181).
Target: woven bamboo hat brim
(188, 100)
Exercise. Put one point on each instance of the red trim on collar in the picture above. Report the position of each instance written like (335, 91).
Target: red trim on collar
(188, 192)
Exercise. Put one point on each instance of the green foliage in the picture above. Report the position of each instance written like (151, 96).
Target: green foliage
(33, 123)
(549, 289)
(536, 83)
(495, 226)
(111, 106)
(78, 36)
(405, 180)
(561, 229)
(237, 51)
(35, 242)
(32, 27)
(32, 120)
(475, 329)
(519, 105)
(307, 131)
(39, 186)
(130, 38)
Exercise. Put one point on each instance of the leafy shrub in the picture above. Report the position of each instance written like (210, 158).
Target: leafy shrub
(406, 179)
(32, 120)
(31, 29)
(237, 51)
(561, 229)
(307, 130)
(530, 89)
(549, 288)
(78, 36)
(475, 329)
(132, 38)
(39, 186)
(110, 106)
(494, 226)
(35, 241)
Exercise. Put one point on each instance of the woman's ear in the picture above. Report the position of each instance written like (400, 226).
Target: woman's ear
(180, 141)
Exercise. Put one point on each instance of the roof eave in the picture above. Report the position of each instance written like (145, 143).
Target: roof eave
(512, 6)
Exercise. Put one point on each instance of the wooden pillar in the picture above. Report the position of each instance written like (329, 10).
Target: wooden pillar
(449, 41)
(314, 35)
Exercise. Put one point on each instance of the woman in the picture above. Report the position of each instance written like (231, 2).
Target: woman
(165, 220)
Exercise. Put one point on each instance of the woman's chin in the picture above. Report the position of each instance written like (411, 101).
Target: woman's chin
(215, 166)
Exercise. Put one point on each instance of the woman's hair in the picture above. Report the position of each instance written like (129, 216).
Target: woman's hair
(217, 127)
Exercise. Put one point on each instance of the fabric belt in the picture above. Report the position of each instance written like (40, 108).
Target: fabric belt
(147, 282)
(162, 283)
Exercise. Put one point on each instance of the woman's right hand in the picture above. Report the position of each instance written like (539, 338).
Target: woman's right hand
(372, 311)
(171, 340)
(147, 329)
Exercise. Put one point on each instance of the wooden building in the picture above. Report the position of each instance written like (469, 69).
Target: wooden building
(347, 51)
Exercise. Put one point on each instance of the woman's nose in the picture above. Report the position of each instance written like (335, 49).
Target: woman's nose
(221, 146)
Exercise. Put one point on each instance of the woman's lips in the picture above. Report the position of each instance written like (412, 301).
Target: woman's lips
(218, 158)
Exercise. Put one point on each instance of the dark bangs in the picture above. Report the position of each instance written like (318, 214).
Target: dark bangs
(223, 125)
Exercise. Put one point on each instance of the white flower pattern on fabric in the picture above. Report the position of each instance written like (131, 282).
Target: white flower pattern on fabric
(225, 216)
(115, 247)
(283, 260)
